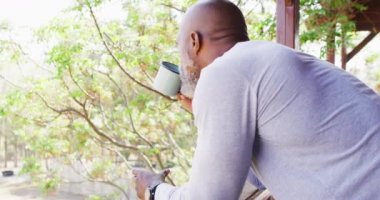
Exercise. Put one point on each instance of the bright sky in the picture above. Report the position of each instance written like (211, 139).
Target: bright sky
(25, 16)
(31, 13)
(34, 13)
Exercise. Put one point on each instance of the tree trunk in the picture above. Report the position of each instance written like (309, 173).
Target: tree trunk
(15, 156)
(47, 164)
(5, 151)
(330, 46)
(1, 146)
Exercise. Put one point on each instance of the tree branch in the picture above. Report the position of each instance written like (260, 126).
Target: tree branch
(23, 52)
(11, 83)
(117, 61)
(88, 120)
(100, 133)
(91, 179)
(77, 84)
(173, 7)
(134, 130)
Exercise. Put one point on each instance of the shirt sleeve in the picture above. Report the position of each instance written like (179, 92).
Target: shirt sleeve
(224, 111)
(252, 179)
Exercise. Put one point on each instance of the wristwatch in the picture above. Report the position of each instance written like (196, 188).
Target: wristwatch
(152, 192)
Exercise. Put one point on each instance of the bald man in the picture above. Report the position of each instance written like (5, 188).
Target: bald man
(307, 129)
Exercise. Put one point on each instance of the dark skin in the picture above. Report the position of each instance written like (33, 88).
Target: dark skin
(209, 29)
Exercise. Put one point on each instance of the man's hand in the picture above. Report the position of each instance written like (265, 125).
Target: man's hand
(186, 102)
(147, 179)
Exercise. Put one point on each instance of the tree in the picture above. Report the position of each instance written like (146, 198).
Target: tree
(96, 106)
(93, 107)
(327, 20)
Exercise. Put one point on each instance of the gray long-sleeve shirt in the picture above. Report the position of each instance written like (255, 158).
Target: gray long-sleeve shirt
(308, 129)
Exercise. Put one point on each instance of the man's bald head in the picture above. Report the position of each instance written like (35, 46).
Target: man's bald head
(216, 20)
(208, 30)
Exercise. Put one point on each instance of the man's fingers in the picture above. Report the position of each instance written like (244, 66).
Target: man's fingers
(182, 97)
(179, 96)
(142, 173)
(185, 101)
(165, 172)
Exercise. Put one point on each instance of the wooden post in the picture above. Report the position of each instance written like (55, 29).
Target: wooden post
(287, 16)
(330, 46)
(344, 51)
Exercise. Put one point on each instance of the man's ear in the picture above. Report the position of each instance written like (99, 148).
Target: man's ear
(196, 42)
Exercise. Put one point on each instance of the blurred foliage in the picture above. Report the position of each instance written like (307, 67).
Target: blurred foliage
(372, 70)
(92, 114)
(323, 19)
(49, 184)
(87, 111)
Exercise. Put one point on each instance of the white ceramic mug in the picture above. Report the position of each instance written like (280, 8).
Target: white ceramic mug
(167, 80)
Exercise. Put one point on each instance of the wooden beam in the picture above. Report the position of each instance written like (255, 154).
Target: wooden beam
(361, 45)
(368, 27)
(287, 16)
(368, 19)
(330, 45)
(344, 51)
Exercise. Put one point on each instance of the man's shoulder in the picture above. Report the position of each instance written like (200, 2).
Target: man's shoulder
(244, 59)
(245, 54)
(257, 46)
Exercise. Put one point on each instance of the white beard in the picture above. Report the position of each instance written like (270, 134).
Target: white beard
(189, 76)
